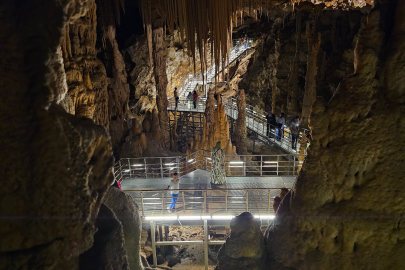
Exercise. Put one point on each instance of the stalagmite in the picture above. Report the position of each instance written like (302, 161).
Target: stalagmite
(240, 125)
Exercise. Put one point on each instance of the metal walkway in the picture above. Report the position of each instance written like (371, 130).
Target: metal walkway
(255, 121)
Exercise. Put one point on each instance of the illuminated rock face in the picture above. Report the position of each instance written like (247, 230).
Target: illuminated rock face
(345, 211)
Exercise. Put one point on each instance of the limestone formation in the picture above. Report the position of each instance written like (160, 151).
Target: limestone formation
(215, 129)
(355, 220)
(108, 250)
(240, 125)
(127, 212)
(85, 74)
(244, 248)
(218, 173)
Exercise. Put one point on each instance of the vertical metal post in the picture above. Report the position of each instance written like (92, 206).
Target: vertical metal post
(244, 165)
(206, 244)
(152, 232)
(146, 169)
(205, 202)
(143, 213)
(184, 204)
(196, 160)
(261, 165)
(277, 163)
(130, 169)
(161, 168)
(205, 156)
(268, 209)
(247, 200)
(163, 203)
(229, 167)
(178, 165)
(226, 202)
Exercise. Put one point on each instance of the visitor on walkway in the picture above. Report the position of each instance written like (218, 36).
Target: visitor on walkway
(117, 184)
(269, 120)
(176, 96)
(280, 126)
(294, 132)
(246, 41)
(195, 97)
(174, 184)
(273, 125)
(190, 99)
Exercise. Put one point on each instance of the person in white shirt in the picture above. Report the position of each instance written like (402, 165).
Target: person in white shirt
(174, 186)
(280, 126)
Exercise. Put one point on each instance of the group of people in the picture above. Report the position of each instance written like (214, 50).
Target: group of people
(191, 97)
(278, 123)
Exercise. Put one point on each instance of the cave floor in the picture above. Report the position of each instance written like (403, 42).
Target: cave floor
(215, 196)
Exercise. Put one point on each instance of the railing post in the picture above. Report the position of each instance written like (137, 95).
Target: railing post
(226, 202)
(130, 169)
(205, 202)
(229, 167)
(196, 160)
(161, 168)
(205, 156)
(261, 165)
(277, 163)
(244, 165)
(247, 200)
(268, 208)
(153, 235)
(146, 169)
(163, 203)
(184, 204)
(206, 244)
(143, 213)
(178, 165)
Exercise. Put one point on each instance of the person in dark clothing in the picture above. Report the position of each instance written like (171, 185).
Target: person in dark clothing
(294, 132)
(273, 125)
(176, 96)
(195, 97)
(269, 120)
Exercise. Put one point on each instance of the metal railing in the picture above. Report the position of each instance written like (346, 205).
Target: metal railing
(235, 165)
(214, 202)
(255, 121)
(191, 80)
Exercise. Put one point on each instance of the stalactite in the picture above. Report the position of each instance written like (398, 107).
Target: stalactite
(240, 125)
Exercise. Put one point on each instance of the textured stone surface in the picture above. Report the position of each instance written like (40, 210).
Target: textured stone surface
(355, 220)
(218, 174)
(127, 212)
(244, 248)
(108, 250)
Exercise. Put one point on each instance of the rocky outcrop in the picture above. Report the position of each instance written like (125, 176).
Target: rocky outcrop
(354, 163)
(127, 212)
(244, 248)
(55, 166)
(266, 81)
(108, 250)
(85, 73)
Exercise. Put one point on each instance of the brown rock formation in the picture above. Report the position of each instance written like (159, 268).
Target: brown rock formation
(85, 73)
(353, 163)
(244, 248)
(240, 125)
(108, 250)
(55, 166)
(127, 212)
(214, 131)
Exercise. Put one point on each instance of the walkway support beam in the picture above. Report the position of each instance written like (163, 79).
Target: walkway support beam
(206, 244)
(153, 234)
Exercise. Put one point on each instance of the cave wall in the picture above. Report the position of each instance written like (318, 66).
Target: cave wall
(55, 166)
(267, 82)
(354, 220)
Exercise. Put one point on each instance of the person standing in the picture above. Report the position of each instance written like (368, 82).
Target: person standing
(190, 99)
(174, 186)
(176, 96)
(195, 97)
(294, 132)
(246, 41)
(269, 120)
(280, 126)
